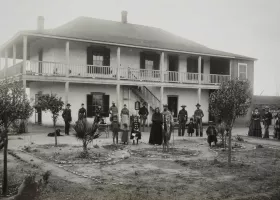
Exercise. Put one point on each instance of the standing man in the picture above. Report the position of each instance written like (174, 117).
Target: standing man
(82, 114)
(143, 112)
(267, 121)
(167, 127)
(113, 111)
(182, 118)
(67, 118)
(198, 115)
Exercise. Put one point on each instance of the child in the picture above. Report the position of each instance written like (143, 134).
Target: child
(115, 126)
(212, 134)
(191, 127)
(135, 131)
(125, 131)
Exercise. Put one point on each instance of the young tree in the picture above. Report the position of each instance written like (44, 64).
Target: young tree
(231, 101)
(52, 103)
(86, 133)
(14, 105)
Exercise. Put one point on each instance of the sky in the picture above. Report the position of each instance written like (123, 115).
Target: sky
(246, 27)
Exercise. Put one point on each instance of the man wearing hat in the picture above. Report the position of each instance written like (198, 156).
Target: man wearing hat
(267, 121)
(67, 118)
(113, 110)
(182, 118)
(143, 112)
(198, 115)
(167, 126)
(82, 114)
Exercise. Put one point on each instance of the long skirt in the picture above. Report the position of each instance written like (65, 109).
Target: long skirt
(156, 134)
(125, 120)
(125, 136)
(255, 128)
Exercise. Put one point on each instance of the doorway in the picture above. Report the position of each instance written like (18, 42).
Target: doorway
(172, 102)
(38, 111)
(173, 63)
(40, 59)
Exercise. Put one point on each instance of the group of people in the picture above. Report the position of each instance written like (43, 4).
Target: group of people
(163, 124)
(255, 128)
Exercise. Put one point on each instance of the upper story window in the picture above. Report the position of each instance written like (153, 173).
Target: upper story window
(98, 55)
(149, 64)
(242, 71)
(192, 65)
(97, 60)
(149, 60)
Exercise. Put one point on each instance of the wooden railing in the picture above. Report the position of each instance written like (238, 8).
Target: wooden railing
(44, 68)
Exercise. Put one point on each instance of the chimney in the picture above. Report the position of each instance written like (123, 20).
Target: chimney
(40, 23)
(124, 17)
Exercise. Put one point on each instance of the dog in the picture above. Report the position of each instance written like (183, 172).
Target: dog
(53, 133)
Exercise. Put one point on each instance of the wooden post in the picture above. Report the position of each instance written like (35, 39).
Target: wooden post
(162, 66)
(66, 91)
(24, 54)
(230, 66)
(199, 95)
(6, 63)
(14, 54)
(118, 62)
(118, 98)
(67, 54)
(161, 97)
(199, 70)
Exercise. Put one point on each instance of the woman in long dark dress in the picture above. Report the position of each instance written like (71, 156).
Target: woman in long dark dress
(255, 126)
(156, 130)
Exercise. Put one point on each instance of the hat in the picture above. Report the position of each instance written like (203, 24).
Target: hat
(165, 105)
(183, 106)
(83, 104)
(68, 104)
(113, 101)
(197, 104)
(124, 105)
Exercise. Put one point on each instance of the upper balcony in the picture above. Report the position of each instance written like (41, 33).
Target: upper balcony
(55, 69)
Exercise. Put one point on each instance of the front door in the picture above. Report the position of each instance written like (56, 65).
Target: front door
(38, 112)
(173, 63)
(172, 102)
(40, 59)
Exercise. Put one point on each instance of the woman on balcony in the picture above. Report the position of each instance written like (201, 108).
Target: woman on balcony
(156, 130)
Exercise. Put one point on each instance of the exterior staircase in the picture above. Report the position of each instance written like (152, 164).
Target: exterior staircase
(145, 95)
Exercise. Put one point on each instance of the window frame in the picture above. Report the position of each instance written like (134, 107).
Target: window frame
(246, 66)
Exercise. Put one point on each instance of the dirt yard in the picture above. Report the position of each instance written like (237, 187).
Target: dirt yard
(190, 171)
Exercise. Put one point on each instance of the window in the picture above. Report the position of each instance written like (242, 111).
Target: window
(242, 71)
(192, 65)
(97, 60)
(149, 60)
(149, 64)
(96, 99)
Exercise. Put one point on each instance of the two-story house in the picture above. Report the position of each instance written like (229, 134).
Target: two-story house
(95, 62)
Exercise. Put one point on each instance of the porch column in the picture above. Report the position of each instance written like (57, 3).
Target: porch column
(66, 91)
(199, 70)
(162, 66)
(161, 97)
(6, 63)
(230, 64)
(118, 103)
(24, 54)
(118, 62)
(14, 54)
(199, 95)
(67, 54)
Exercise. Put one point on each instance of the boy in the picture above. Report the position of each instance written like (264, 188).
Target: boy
(135, 131)
(191, 127)
(115, 126)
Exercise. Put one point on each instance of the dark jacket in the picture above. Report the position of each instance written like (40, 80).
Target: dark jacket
(82, 113)
(143, 111)
(183, 115)
(67, 115)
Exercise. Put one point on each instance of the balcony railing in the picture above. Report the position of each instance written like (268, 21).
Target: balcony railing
(37, 68)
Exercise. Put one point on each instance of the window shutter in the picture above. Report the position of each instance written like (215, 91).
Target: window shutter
(89, 56)
(106, 61)
(142, 60)
(89, 106)
(106, 105)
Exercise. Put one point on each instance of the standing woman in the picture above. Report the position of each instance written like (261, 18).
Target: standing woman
(156, 130)
(124, 116)
(255, 126)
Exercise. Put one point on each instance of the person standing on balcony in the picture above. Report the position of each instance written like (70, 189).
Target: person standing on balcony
(82, 114)
(113, 111)
(143, 112)
(198, 115)
(267, 122)
(124, 116)
(67, 118)
(182, 118)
